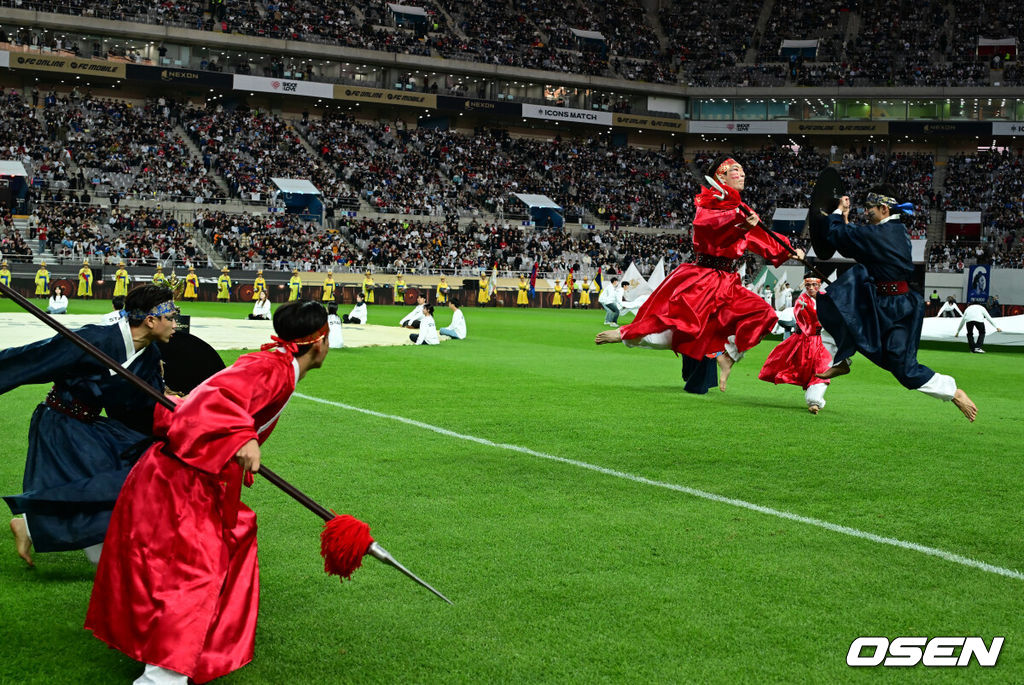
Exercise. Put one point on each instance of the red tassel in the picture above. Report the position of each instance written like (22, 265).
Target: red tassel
(343, 542)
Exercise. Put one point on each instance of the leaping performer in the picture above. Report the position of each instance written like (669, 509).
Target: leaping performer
(703, 308)
(870, 308)
(799, 357)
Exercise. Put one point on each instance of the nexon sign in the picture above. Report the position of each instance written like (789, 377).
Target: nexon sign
(910, 651)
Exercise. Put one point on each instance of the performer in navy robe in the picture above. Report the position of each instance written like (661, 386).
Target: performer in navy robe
(78, 459)
(870, 308)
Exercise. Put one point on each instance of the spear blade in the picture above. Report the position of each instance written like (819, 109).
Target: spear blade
(381, 554)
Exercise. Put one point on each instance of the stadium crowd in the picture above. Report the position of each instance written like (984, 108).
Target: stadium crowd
(929, 44)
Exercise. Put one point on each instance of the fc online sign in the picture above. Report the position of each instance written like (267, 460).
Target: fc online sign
(910, 651)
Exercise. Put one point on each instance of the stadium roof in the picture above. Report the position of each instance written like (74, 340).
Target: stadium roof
(295, 185)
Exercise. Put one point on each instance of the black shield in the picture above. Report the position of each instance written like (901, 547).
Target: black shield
(188, 361)
(824, 199)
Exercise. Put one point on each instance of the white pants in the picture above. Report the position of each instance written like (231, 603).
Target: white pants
(815, 394)
(940, 386)
(662, 340)
(155, 675)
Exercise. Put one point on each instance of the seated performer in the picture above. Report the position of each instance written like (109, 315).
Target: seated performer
(358, 313)
(413, 318)
(177, 587)
(703, 308)
(261, 308)
(870, 308)
(58, 303)
(428, 329)
(799, 357)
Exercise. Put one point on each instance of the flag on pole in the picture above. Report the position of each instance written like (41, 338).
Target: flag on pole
(533, 280)
(569, 283)
(492, 284)
(598, 282)
(764, 278)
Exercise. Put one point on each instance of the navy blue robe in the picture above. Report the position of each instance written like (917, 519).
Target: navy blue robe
(75, 468)
(884, 328)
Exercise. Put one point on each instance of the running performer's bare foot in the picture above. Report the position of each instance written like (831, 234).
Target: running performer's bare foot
(813, 408)
(725, 363)
(605, 337)
(964, 404)
(840, 369)
(22, 542)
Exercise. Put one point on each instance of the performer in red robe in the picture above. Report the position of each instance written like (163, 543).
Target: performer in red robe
(178, 582)
(703, 308)
(799, 357)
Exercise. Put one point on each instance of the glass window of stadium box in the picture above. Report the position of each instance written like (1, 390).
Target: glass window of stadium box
(930, 110)
(1019, 116)
(885, 110)
(819, 109)
(712, 110)
(960, 110)
(750, 110)
(995, 109)
(853, 109)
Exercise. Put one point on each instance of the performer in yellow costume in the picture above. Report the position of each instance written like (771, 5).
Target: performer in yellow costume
(121, 280)
(5, 274)
(368, 288)
(329, 286)
(584, 293)
(259, 284)
(556, 300)
(400, 289)
(159, 278)
(442, 291)
(85, 280)
(294, 285)
(43, 280)
(224, 286)
(523, 299)
(192, 285)
(484, 296)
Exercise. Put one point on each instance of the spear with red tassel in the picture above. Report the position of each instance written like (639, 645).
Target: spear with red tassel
(344, 541)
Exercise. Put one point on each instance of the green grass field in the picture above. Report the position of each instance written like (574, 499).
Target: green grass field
(562, 573)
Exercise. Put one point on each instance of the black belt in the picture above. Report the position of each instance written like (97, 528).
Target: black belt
(721, 263)
(76, 410)
(892, 287)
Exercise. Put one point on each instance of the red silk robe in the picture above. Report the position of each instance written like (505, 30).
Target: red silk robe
(703, 306)
(797, 358)
(178, 581)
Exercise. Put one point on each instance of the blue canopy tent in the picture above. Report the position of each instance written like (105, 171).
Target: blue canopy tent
(541, 209)
(409, 17)
(300, 197)
(808, 49)
(13, 185)
(591, 40)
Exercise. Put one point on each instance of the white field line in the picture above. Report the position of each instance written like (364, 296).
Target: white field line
(835, 528)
